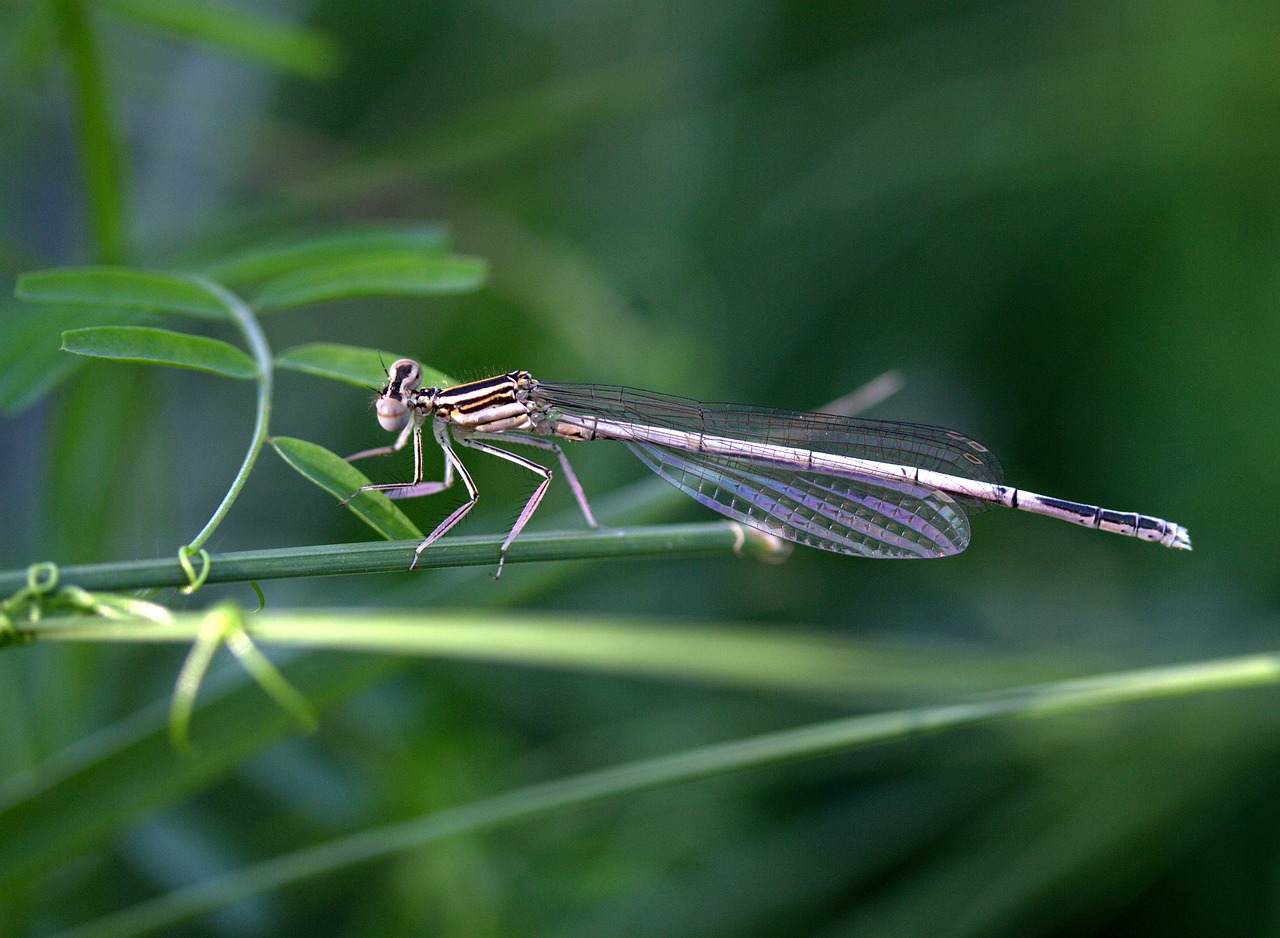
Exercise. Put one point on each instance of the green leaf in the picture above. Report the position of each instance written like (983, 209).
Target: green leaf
(338, 477)
(363, 367)
(395, 273)
(278, 45)
(160, 347)
(125, 288)
(324, 248)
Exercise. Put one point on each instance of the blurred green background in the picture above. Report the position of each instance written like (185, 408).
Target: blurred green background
(1059, 222)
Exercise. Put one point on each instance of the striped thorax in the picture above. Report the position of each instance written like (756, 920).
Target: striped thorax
(490, 405)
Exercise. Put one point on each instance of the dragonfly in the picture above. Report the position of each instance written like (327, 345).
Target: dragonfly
(866, 488)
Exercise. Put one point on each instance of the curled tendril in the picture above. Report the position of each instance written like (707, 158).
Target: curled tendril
(224, 624)
(262, 599)
(194, 580)
(42, 578)
(27, 603)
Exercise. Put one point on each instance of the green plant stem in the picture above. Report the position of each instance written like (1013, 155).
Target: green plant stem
(102, 157)
(712, 537)
(261, 352)
(842, 735)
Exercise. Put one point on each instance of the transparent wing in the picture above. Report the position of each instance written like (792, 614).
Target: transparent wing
(866, 518)
(926, 447)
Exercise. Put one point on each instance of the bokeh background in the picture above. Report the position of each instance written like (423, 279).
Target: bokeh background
(1059, 222)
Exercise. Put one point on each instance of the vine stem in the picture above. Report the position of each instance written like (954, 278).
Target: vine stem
(257, 341)
(712, 537)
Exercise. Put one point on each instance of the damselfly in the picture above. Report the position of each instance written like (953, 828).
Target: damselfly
(864, 487)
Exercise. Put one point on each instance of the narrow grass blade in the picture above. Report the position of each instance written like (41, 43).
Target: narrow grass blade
(719, 654)
(278, 45)
(89, 794)
(780, 747)
(84, 796)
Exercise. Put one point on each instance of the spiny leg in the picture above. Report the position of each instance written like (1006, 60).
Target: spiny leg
(530, 506)
(417, 487)
(412, 426)
(451, 462)
(569, 475)
(428, 488)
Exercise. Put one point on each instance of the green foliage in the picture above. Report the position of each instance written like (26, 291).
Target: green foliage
(317, 277)
(31, 365)
(317, 250)
(337, 477)
(365, 368)
(1058, 228)
(159, 347)
(123, 289)
(283, 46)
(396, 273)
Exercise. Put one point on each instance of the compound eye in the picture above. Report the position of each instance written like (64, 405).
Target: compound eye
(392, 414)
(403, 377)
